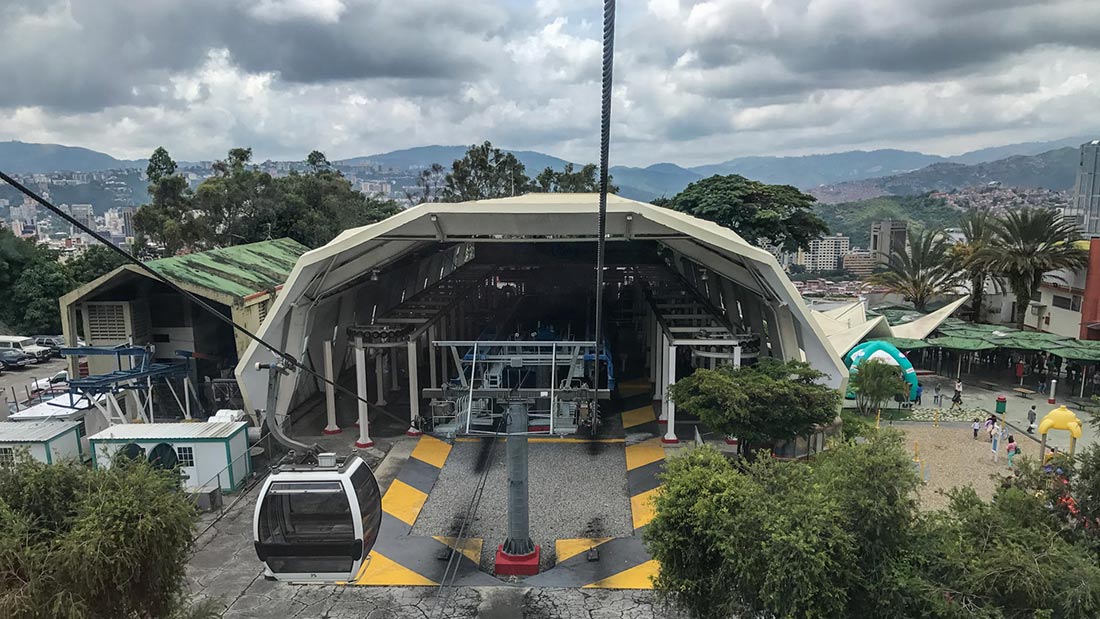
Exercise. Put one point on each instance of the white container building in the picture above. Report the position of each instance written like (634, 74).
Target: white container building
(66, 408)
(46, 441)
(210, 454)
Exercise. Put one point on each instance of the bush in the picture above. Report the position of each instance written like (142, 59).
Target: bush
(78, 543)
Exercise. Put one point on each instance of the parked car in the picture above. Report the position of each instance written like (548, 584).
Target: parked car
(54, 342)
(26, 346)
(13, 359)
(47, 384)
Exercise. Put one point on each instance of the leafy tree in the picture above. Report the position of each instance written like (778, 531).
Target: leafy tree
(168, 220)
(235, 203)
(80, 543)
(840, 536)
(584, 180)
(875, 382)
(317, 161)
(429, 186)
(768, 401)
(315, 207)
(94, 262)
(483, 173)
(34, 297)
(920, 270)
(16, 256)
(782, 539)
(1029, 243)
(779, 215)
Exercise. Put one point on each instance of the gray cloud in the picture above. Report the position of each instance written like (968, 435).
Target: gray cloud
(696, 81)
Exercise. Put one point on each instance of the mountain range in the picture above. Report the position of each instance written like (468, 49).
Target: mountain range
(832, 177)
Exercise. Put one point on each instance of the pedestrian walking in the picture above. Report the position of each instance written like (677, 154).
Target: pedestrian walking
(937, 397)
(977, 425)
(920, 390)
(1031, 414)
(1012, 449)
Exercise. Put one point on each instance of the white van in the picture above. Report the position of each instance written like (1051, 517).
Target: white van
(27, 346)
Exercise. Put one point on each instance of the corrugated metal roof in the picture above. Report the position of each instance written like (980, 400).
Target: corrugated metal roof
(33, 431)
(59, 406)
(169, 431)
(239, 271)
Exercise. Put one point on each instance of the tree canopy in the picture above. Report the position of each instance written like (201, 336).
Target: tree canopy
(778, 215)
(875, 382)
(241, 204)
(921, 269)
(568, 180)
(768, 401)
(485, 172)
(81, 543)
(840, 536)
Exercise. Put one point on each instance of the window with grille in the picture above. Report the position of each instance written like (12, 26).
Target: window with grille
(1062, 302)
(7, 456)
(262, 308)
(186, 456)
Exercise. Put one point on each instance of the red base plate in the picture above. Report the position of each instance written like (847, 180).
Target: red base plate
(516, 565)
(359, 445)
(331, 432)
(411, 432)
(670, 441)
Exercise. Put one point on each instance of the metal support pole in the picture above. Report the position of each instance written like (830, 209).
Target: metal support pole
(432, 357)
(330, 393)
(361, 386)
(414, 392)
(670, 406)
(380, 374)
(662, 377)
(1084, 378)
(519, 535)
(187, 396)
(1053, 386)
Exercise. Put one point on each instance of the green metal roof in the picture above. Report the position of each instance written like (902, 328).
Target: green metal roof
(903, 343)
(238, 271)
(961, 343)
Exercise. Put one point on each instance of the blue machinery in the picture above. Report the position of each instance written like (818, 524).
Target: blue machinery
(139, 376)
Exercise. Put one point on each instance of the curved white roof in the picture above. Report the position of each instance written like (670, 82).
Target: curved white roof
(351, 256)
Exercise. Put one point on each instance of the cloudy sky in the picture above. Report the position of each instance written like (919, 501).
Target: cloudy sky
(696, 82)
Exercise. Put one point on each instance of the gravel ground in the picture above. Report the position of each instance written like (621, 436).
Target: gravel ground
(576, 490)
(953, 458)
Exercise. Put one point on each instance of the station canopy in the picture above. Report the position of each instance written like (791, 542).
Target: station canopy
(364, 270)
(955, 334)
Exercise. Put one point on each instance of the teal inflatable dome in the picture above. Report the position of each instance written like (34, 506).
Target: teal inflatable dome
(886, 353)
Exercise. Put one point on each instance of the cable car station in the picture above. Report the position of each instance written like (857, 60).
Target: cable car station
(473, 323)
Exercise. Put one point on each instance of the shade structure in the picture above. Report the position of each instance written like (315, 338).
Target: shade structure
(961, 343)
(1088, 352)
(904, 343)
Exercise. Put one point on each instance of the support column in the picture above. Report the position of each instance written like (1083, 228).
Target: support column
(393, 370)
(380, 375)
(670, 406)
(414, 392)
(518, 555)
(361, 388)
(659, 365)
(432, 357)
(662, 381)
(330, 392)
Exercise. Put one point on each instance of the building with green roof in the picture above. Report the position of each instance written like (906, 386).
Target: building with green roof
(128, 305)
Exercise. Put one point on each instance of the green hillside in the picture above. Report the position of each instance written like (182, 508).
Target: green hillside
(854, 218)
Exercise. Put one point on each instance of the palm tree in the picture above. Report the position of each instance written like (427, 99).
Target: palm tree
(1027, 244)
(966, 256)
(919, 270)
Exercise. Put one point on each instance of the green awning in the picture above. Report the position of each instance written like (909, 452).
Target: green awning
(960, 343)
(1078, 352)
(903, 343)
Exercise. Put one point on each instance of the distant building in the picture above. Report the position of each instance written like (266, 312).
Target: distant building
(887, 236)
(1084, 210)
(127, 213)
(825, 253)
(859, 262)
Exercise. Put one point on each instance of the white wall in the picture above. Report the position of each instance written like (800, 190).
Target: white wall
(211, 463)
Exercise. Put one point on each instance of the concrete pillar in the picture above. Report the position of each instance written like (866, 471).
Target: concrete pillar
(361, 389)
(414, 392)
(380, 375)
(330, 391)
(670, 406)
(393, 369)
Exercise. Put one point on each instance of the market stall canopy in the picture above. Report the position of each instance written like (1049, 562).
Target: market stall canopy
(904, 343)
(961, 343)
